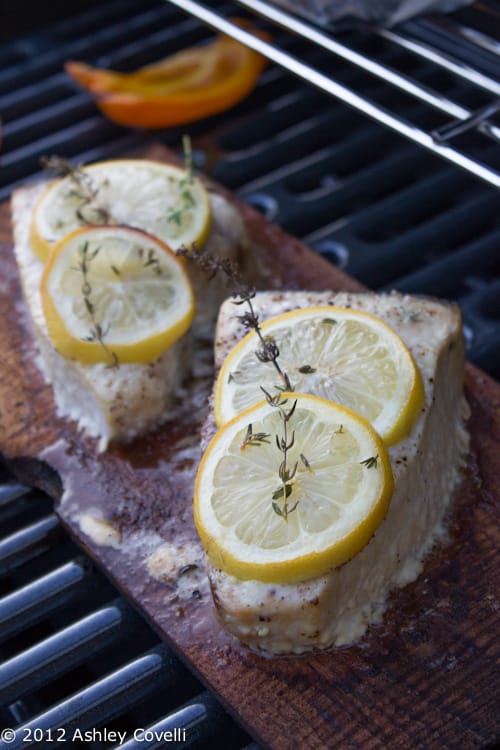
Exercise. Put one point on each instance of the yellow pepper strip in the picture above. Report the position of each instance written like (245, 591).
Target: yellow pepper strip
(188, 86)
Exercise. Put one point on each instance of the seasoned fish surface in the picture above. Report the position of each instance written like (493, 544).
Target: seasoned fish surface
(336, 608)
(120, 403)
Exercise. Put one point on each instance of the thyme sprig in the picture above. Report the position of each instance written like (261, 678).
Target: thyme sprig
(242, 293)
(97, 332)
(188, 156)
(84, 188)
(284, 444)
(175, 214)
(267, 351)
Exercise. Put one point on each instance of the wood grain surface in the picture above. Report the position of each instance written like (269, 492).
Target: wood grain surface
(428, 677)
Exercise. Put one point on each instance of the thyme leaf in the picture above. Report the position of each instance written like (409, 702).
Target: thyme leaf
(174, 215)
(281, 492)
(254, 438)
(277, 508)
(242, 293)
(151, 260)
(305, 462)
(370, 463)
(412, 315)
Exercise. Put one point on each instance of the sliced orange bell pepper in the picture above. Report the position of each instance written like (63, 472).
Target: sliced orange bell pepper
(188, 86)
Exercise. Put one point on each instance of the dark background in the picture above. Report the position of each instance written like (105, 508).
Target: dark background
(18, 18)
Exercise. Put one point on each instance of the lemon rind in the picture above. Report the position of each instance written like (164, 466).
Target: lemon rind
(144, 351)
(308, 566)
(43, 246)
(402, 424)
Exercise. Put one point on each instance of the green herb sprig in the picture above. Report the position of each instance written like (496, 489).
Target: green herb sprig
(84, 188)
(242, 293)
(284, 443)
(267, 351)
(97, 332)
(176, 214)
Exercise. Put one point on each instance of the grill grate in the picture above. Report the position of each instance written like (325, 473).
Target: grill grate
(75, 657)
(325, 78)
(384, 209)
(379, 206)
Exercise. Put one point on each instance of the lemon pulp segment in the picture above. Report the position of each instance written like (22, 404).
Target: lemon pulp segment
(115, 294)
(161, 199)
(341, 492)
(342, 355)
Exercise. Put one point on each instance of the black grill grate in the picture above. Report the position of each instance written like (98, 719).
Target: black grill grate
(76, 657)
(446, 113)
(373, 203)
(388, 212)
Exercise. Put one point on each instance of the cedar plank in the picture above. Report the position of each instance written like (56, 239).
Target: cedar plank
(423, 679)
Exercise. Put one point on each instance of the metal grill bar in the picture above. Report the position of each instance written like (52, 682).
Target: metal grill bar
(32, 602)
(10, 491)
(453, 26)
(426, 52)
(17, 548)
(332, 87)
(102, 701)
(58, 654)
(480, 39)
(201, 717)
(478, 119)
(383, 72)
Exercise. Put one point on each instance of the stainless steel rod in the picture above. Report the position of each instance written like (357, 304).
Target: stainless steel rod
(477, 118)
(480, 38)
(314, 35)
(339, 91)
(439, 58)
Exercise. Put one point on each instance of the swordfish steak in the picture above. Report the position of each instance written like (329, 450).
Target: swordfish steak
(336, 609)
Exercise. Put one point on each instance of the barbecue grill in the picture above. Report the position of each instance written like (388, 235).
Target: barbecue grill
(377, 147)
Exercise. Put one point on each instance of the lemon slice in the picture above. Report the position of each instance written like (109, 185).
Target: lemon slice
(340, 354)
(339, 494)
(161, 199)
(115, 295)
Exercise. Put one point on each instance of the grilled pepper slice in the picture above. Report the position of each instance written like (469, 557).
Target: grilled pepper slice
(190, 85)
